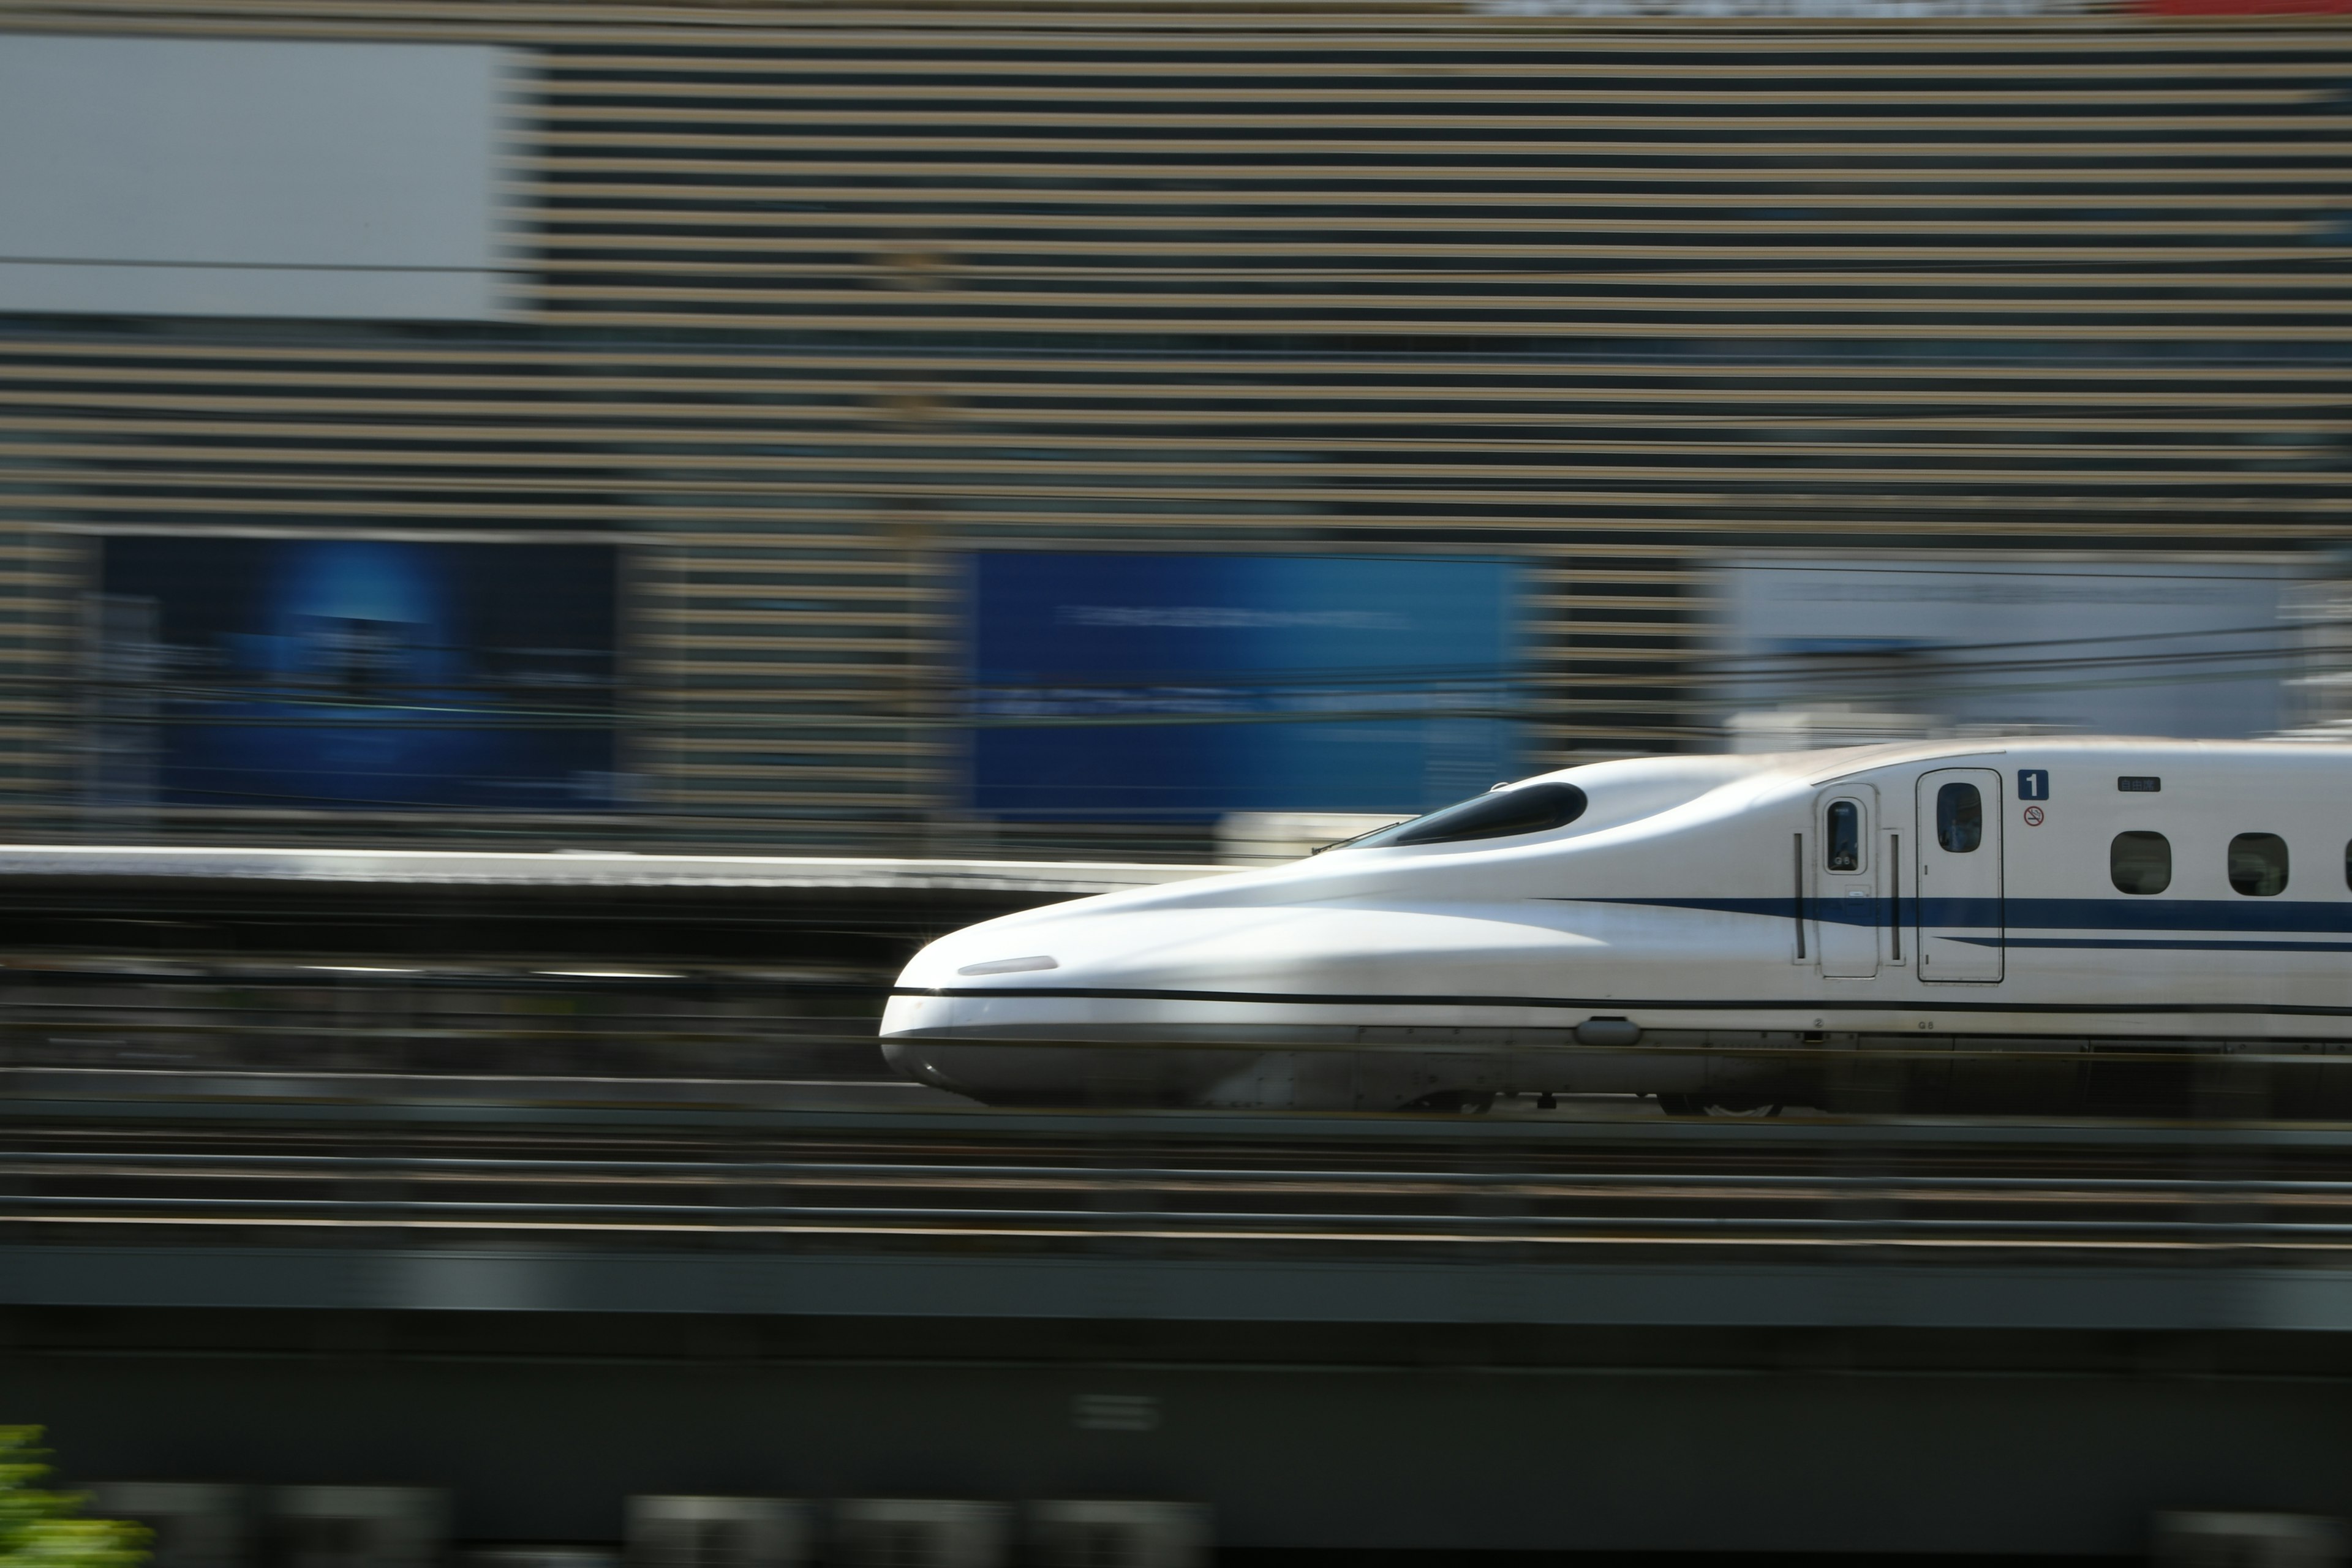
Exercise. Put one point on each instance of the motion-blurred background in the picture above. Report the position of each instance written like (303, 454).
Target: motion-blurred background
(1054, 430)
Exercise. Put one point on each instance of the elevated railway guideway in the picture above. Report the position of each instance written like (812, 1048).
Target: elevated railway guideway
(351, 1168)
(1416, 1334)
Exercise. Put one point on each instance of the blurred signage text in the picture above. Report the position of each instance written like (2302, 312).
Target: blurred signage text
(311, 674)
(1175, 687)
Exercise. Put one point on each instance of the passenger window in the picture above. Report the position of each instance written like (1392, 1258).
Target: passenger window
(1843, 839)
(1959, 818)
(2258, 864)
(2140, 862)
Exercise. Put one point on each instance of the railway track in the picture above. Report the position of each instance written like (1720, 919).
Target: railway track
(1179, 1185)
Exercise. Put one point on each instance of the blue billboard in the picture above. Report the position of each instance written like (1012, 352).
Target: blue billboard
(1184, 686)
(355, 674)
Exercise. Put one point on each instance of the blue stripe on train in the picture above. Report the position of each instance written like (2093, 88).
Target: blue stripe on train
(2174, 944)
(2264, 916)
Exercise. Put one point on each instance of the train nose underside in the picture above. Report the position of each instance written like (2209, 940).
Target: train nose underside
(1066, 1073)
(1207, 1005)
(1364, 1069)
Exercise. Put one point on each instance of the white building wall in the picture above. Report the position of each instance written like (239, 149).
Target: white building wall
(201, 177)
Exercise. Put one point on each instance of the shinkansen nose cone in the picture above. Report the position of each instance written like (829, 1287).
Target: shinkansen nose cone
(1451, 930)
(1191, 1006)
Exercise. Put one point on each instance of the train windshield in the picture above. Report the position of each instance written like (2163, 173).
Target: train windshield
(1504, 814)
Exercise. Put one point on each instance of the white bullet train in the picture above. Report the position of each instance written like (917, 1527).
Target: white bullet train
(2024, 924)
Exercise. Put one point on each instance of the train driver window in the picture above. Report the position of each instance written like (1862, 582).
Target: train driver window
(1843, 841)
(2258, 864)
(1499, 814)
(2140, 862)
(1959, 818)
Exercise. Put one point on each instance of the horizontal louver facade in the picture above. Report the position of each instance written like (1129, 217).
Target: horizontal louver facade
(808, 302)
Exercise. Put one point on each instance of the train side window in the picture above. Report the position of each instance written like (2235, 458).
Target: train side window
(2140, 862)
(1843, 841)
(1959, 818)
(2258, 864)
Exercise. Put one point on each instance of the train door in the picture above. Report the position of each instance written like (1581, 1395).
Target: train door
(1959, 890)
(1845, 882)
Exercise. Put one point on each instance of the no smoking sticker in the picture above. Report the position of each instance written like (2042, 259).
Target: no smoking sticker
(2032, 816)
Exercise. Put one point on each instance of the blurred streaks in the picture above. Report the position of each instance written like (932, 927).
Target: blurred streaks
(814, 298)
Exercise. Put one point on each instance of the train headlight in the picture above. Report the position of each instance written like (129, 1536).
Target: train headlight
(1010, 965)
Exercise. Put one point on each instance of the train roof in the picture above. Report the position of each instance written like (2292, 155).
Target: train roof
(1837, 761)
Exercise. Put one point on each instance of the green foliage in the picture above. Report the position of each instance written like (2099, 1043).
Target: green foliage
(42, 1529)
